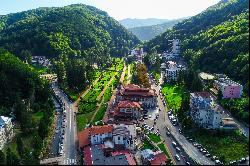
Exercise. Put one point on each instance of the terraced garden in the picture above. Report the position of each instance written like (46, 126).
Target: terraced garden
(92, 106)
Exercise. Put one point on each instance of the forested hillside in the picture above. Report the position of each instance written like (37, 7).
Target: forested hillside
(76, 31)
(24, 94)
(215, 40)
(74, 37)
(149, 32)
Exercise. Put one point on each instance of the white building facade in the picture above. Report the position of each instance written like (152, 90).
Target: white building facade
(172, 71)
(6, 130)
(122, 136)
(204, 111)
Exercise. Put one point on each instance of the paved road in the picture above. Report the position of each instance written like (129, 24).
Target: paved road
(242, 127)
(181, 140)
(70, 154)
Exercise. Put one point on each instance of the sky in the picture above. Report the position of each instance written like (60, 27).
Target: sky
(120, 9)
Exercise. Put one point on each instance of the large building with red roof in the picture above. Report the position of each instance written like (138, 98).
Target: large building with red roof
(147, 97)
(127, 110)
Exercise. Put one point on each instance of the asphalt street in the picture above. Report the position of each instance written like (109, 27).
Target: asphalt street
(164, 121)
(69, 153)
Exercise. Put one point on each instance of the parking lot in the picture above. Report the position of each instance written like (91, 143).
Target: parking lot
(57, 143)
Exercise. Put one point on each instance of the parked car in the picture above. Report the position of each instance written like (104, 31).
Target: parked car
(178, 149)
(168, 133)
(177, 157)
(195, 144)
(207, 155)
(233, 162)
(218, 162)
(180, 131)
(167, 129)
(188, 163)
(174, 143)
(149, 116)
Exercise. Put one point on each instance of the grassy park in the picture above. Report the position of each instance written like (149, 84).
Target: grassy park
(173, 96)
(228, 146)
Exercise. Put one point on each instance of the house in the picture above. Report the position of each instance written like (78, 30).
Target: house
(2, 137)
(127, 109)
(172, 70)
(95, 155)
(228, 87)
(147, 97)
(150, 157)
(137, 54)
(98, 134)
(41, 60)
(204, 111)
(6, 130)
(122, 137)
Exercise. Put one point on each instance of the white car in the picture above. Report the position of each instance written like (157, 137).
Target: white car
(177, 157)
(149, 116)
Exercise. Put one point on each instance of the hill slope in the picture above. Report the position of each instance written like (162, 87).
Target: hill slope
(149, 32)
(74, 30)
(132, 23)
(215, 40)
(28, 97)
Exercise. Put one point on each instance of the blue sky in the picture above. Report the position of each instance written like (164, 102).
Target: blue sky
(120, 9)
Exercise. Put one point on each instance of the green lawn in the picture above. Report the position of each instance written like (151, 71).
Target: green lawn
(40, 69)
(148, 145)
(155, 138)
(101, 112)
(36, 117)
(86, 107)
(163, 148)
(83, 119)
(227, 146)
(173, 96)
(107, 95)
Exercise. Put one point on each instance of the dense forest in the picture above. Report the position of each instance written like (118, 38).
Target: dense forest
(215, 40)
(28, 98)
(149, 32)
(74, 37)
(75, 30)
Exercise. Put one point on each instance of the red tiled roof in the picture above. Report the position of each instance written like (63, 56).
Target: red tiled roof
(100, 129)
(128, 155)
(128, 104)
(87, 156)
(83, 137)
(132, 86)
(138, 93)
(159, 159)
